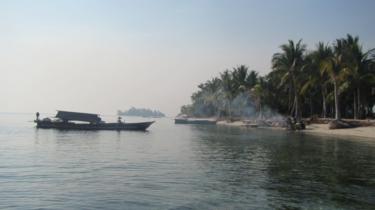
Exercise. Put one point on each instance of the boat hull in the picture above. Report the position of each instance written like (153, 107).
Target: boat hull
(141, 126)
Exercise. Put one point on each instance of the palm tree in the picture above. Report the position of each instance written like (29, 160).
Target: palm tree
(205, 100)
(289, 63)
(228, 89)
(239, 76)
(258, 92)
(324, 77)
(335, 67)
(358, 65)
(310, 81)
(252, 79)
(316, 75)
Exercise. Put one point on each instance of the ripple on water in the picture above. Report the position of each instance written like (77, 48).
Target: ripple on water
(182, 167)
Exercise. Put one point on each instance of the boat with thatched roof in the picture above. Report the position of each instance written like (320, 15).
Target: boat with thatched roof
(66, 120)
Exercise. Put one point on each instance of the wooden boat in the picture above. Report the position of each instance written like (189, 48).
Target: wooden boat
(67, 121)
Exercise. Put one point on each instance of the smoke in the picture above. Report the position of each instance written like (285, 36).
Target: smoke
(243, 106)
(246, 107)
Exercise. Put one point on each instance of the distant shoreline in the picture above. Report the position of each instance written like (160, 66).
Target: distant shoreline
(125, 115)
(141, 112)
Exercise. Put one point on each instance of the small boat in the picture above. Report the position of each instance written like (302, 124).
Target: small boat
(67, 121)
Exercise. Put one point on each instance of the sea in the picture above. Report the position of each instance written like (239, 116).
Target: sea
(181, 167)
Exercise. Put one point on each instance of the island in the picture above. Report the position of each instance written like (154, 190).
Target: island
(328, 87)
(141, 112)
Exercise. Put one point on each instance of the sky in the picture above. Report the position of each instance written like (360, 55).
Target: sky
(102, 56)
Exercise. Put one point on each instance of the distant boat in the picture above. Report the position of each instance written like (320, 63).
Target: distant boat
(186, 120)
(67, 121)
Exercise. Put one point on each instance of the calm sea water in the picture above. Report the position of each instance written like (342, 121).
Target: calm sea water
(181, 167)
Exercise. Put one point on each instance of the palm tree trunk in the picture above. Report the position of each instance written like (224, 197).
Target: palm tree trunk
(290, 103)
(359, 103)
(337, 107)
(324, 114)
(296, 101)
(355, 110)
(293, 108)
(311, 107)
(229, 110)
(297, 112)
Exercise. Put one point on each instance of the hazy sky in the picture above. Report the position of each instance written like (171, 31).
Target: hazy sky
(101, 56)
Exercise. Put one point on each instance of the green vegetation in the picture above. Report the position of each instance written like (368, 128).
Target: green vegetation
(336, 80)
(141, 112)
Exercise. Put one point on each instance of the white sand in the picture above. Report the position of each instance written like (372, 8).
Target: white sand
(367, 132)
(235, 123)
(322, 129)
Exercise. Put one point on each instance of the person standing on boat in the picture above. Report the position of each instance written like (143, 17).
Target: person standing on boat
(37, 116)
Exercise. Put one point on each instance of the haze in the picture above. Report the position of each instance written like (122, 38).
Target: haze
(101, 56)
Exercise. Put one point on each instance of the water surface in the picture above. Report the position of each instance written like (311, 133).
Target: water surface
(181, 167)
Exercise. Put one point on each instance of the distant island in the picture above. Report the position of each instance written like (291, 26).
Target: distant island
(141, 112)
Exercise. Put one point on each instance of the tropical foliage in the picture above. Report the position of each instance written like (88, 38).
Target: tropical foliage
(333, 80)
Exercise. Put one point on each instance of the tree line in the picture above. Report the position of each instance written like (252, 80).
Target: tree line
(331, 81)
(140, 112)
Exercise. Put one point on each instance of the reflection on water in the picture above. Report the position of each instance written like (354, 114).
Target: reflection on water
(182, 167)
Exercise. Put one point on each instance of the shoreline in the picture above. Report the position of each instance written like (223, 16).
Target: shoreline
(319, 129)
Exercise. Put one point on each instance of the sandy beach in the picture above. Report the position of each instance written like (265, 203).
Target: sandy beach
(321, 129)
(366, 132)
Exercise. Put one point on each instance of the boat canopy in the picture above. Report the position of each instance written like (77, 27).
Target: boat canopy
(78, 116)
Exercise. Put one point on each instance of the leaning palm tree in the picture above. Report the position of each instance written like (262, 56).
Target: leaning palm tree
(289, 63)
